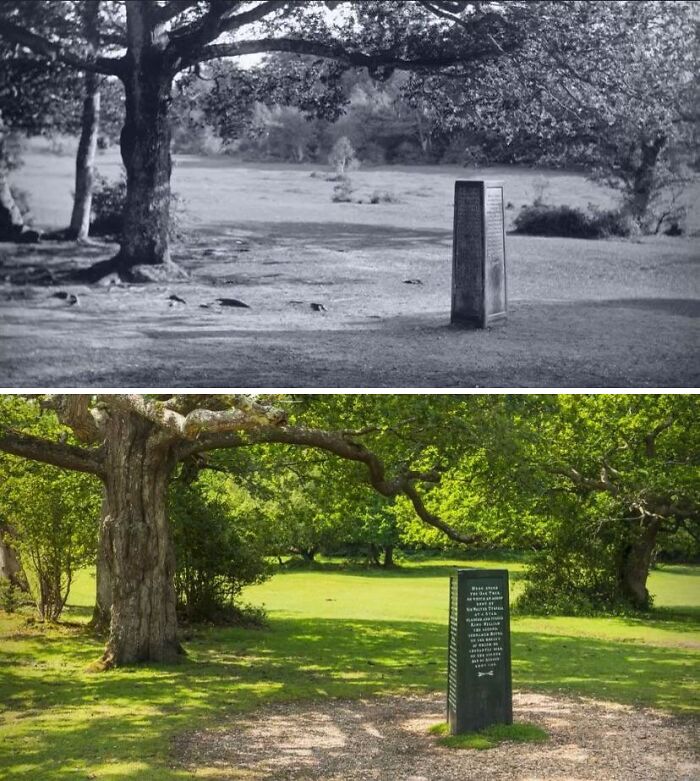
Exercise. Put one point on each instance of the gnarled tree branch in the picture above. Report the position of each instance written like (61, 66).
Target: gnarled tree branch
(54, 453)
(39, 45)
(223, 413)
(74, 411)
(336, 51)
(342, 446)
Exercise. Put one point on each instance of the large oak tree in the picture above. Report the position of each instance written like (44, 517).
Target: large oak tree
(146, 43)
(133, 443)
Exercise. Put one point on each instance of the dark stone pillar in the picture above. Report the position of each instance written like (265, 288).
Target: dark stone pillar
(479, 254)
(479, 688)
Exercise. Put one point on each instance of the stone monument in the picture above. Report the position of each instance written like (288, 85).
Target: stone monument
(478, 254)
(479, 688)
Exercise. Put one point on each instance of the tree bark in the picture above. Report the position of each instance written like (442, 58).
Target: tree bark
(145, 146)
(10, 566)
(388, 556)
(636, 562)
(12, 227)
(643, 183)
(101, 614)
(147, 75)
(139, 539)
(90, 122)
(11, 222)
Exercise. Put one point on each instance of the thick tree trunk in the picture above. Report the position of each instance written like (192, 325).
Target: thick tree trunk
(145, 148)
(639, 198)
(138, 535)
(636, 563)
(388, 556)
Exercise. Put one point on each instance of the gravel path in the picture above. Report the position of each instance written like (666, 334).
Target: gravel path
(386, 739)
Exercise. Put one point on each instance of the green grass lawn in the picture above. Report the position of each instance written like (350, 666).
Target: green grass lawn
(334, 633)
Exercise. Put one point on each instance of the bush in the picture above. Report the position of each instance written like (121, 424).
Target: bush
(108, 201)
(383, 196)
(578, 571)
(53, 516)
(9, 596)
(546, 220)
(21, 199)
(217, 551)
(342, 192)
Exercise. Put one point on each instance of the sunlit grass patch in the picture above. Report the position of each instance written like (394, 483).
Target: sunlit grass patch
(490, 737)
(331, 634)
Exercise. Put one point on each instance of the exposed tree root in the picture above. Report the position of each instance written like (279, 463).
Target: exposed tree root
(23, 236)
(68, 234)
(115, 270)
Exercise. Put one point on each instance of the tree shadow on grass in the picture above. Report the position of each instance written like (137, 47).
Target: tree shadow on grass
(341, 236)
(60, 719)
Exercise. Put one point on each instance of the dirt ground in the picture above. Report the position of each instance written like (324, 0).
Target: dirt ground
(345, 295)
(386, 738)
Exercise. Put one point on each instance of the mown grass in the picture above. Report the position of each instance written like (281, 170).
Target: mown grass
(337, 633)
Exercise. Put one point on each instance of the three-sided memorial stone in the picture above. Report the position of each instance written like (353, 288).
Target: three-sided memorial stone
(479, 688)
(478, 254)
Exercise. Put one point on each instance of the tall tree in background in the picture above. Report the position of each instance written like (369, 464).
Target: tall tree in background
(37, 97)
(608, 86)
(89, 128)
(160, 39)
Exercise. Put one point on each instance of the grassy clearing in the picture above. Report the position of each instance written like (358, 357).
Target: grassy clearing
(489, 737)
(332, 634)
(619, 313)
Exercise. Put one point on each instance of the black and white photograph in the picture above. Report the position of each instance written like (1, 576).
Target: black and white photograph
(349, 194)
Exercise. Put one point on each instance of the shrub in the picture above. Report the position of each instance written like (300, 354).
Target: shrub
(547, 220)
(21, 199)
(217, 551)
(53, 516)
(342, 192)
(578, 571)
(383, 196)
(108, 201)
(9, 596)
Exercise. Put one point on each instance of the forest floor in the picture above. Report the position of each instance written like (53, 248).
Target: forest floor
(387, 738)
(350, 652)
(344, 294)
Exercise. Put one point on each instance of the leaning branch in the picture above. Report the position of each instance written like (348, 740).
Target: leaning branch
(342, 446)
(56, 51)
(335, 51)
(652, 436)
(58, 454)
(255, 14)
(170, 10)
